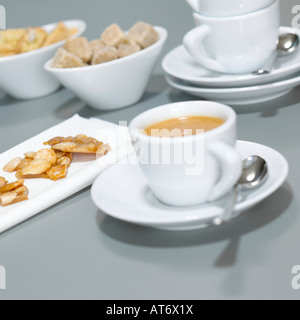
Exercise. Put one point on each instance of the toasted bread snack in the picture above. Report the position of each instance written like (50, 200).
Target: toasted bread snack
(112, 35)
(80, 47)
(128, 46)
(144, 34)
(60, 33)
(96, 45)
(9, 40)
(105, 54)
(65, 59)
(32, 39)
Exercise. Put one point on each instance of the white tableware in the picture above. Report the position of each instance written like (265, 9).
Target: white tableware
(287, 44)
(115, 84)
(237, 44)
(223, 8)
(23, 76)
(238, 96)
(193, 169)
(122, 192)
(82, 172)
(179, 63)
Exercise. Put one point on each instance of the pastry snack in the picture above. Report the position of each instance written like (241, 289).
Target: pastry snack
(48, 163)
(45, 164)
(16, 41)
(53, 163)
(113, 44)
(79, 144)
(13, 192)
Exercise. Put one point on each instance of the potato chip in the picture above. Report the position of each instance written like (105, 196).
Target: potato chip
(32, 39)
(60, 33)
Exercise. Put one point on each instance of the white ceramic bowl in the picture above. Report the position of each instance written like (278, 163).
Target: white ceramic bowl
(23, 76)
(113, 84)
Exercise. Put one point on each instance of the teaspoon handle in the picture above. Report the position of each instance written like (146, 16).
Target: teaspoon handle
(229, 211)
(267, 68)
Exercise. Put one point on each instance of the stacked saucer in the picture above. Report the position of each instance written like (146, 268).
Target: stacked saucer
(185, 74)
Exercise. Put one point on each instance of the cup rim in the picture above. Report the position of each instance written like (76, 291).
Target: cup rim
(237, 17)
(135, 129)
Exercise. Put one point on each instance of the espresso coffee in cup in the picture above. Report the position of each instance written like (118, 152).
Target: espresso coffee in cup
(183, 126)
(236, 44)
(184, 162)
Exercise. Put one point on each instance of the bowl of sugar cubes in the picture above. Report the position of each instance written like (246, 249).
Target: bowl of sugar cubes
(113, 71)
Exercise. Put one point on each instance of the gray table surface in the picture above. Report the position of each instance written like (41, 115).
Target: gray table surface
(73, 251)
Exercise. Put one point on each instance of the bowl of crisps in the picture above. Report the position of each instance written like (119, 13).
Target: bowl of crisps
(115, 73)
(23, 53)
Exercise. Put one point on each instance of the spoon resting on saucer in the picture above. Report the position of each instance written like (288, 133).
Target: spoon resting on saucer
(287, 44)
(254, 174)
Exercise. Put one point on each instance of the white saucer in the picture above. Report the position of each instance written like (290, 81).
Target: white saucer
(179, 64)
(122, 193)
(238, 96)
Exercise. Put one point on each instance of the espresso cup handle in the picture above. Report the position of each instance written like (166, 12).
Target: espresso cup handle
(192, 42)
(231, 168)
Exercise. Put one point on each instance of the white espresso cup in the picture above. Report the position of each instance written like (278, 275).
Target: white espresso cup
(236, 45)
(225, 8)
(191, 169)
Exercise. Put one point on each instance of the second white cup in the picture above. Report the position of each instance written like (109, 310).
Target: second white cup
(226, 8)
(236, 45)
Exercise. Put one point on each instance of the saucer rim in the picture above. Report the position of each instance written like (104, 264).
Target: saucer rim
(197, 223)
(241, 95)
(278, 84)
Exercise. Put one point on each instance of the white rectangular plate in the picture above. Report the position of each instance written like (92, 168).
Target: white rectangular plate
(83, 171)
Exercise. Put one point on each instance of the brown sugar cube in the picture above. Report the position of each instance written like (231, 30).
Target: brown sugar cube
(96, 45)
(61, 32)
(65, 59)
(128, 46)
(105, 54)
(112, 35)
(144, 34)
(32, 39)
(80, 47)
(9, 40)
